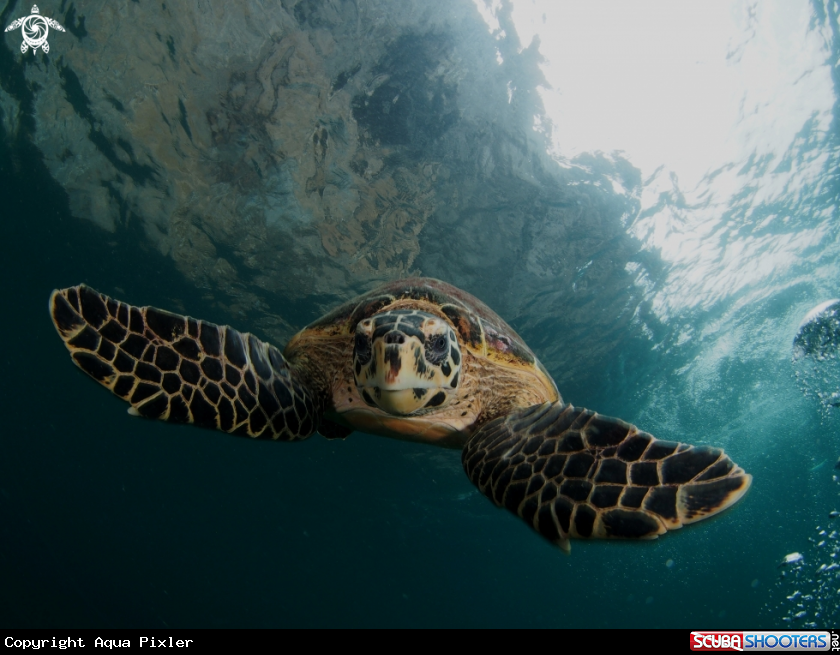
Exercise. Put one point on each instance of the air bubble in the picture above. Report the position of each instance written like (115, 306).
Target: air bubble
(814, 357)
(806, 589)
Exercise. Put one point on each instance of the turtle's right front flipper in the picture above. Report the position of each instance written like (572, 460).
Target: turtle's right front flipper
(178, 369)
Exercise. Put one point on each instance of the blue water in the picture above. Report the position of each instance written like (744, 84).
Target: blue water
(110, 521)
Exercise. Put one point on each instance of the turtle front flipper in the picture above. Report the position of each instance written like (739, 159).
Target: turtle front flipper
(179, 369)
(570, 472)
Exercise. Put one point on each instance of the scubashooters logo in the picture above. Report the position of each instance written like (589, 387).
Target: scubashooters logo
(794, 640)
(34, 29)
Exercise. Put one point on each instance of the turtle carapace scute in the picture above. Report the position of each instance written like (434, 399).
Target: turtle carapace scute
(414, 359)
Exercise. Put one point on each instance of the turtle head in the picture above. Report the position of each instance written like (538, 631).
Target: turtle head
(406, 361)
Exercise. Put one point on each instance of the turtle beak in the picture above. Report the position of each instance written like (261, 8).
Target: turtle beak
(400, 363)
(391, 352)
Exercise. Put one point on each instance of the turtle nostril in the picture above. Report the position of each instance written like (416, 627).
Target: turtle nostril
(395, 337)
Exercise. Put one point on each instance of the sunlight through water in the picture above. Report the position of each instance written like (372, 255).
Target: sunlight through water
(718, 103)
(729, 109)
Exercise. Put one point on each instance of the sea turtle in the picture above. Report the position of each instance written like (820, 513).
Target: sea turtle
(415, 359)
(35, 29)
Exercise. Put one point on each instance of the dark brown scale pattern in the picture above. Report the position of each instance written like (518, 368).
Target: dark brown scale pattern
(179, 369)
(570, 472)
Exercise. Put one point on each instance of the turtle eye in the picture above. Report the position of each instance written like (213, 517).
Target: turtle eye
(362, 348)
(436, 348)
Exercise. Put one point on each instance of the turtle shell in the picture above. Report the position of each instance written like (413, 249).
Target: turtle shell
(481, 330)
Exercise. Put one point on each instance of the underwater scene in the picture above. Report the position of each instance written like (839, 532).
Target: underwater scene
(646, 193)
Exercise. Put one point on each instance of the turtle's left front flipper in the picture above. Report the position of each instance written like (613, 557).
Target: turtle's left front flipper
(571, 472)
(179, 369)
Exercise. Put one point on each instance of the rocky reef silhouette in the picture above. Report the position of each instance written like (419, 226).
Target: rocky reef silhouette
(291, 151)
